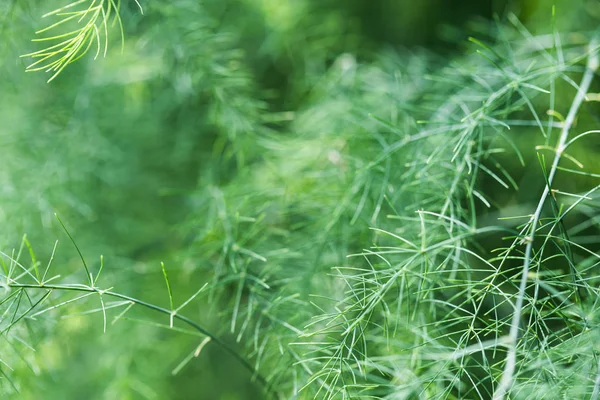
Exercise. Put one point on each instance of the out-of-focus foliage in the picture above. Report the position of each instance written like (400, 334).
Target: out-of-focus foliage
(335, 207)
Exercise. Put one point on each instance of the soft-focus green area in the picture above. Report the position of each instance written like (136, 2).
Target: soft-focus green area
(254, 146)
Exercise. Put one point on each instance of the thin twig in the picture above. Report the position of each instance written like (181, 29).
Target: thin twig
(154, 307)
(509, 368)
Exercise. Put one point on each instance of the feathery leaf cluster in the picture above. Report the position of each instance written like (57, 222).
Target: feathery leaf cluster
(385, 224)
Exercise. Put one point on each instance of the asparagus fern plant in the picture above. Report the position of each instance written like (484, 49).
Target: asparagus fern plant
(414, 227)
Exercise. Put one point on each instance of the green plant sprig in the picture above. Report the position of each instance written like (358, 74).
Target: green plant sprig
(11, 281)
(132, 300)
(531, 228)
(92, 20)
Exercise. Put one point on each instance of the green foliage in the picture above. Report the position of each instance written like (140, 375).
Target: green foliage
(91, 19)
(288, 209)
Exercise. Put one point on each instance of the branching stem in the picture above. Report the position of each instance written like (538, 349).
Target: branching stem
(154, 307)
(509, 368)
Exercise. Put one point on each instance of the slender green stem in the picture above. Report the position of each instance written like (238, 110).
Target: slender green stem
(509, 368)
(154, 307)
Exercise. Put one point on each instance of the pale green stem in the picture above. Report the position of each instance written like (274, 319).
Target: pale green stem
(511, 357)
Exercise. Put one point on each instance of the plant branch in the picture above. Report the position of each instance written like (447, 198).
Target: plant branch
(509, 368)
(172, 314)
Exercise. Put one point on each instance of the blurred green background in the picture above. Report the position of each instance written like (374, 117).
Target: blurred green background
(147, 156)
